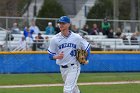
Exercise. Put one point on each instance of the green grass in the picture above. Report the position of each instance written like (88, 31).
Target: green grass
(129, 88)
(108, 77)
(20, 79)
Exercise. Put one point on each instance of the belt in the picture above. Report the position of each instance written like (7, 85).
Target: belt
(66, 66)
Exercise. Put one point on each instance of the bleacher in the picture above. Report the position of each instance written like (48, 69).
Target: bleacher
(105, 43)
(96, 41)
(101, 41)
(92, 37)
(12, 44)
(2, 34)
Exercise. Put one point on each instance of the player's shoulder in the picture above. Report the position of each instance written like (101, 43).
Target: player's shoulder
(76, 35)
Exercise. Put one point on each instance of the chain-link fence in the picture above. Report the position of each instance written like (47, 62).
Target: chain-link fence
(123, 26)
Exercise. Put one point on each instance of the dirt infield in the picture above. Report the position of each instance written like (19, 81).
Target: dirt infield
(91, 83)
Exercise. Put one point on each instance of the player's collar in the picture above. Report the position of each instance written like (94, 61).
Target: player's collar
(68, 34)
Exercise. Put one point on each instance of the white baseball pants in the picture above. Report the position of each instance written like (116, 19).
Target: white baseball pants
(70, 76)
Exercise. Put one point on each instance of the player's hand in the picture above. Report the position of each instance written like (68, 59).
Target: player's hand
(59, 56)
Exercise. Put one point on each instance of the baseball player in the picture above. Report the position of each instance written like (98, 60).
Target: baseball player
(62, 48)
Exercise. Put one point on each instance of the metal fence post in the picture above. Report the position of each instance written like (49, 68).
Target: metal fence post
(6, 23)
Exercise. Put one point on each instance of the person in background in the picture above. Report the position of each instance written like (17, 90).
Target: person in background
(138, 36)
(21, 45)
(74, 29)
(34, 47)
(57, 29)
(28, 34)
(34, 27)
(15, 29)
(27, 31)
(105, 26)
(94, 30)
(110, 34)
(46, 43)
(29, 41)
(134, 40)
(9, 36)
(38, 42)
(86, 28)
(50, 29)
(125, 40)
(118, 33)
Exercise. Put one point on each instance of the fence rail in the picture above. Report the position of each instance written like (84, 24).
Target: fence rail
(125, 25)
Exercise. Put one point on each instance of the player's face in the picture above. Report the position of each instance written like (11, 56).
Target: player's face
(64, 26)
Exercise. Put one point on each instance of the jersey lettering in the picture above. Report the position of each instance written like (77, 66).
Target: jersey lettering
(64, 45)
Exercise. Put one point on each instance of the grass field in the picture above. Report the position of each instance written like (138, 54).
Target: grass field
(22, 79)
(134, 88)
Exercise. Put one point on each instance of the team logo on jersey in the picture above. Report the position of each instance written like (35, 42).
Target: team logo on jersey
(64, 45)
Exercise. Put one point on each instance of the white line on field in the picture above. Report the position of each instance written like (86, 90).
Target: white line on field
(51, 85)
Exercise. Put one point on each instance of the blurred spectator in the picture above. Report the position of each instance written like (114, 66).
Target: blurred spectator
(134, 40)
(50, 29)
(118, 33)
(86, 28)
(34, 27)
(34, 48)
(74, 29)
(9, 36)
(94, 30)
(27, 31)
(15, 29)
(57, 29)
(110, 34)
(46, 43)
(138, 36)
(21, 45)
(105, 26)
(29, 41)
(125, 40)
(38, 42)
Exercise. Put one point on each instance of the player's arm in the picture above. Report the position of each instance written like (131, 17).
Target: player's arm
(88, 53)
(53, 51)
(54, 57)
(86, 47)
(51, 55)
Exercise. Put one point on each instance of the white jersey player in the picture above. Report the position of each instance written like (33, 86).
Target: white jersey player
(62, 48)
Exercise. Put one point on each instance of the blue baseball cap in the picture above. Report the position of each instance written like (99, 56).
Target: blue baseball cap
(64, 19)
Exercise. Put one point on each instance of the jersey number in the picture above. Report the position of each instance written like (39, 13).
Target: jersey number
(73, 53)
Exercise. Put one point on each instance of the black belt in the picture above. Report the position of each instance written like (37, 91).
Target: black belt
(66, 66)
